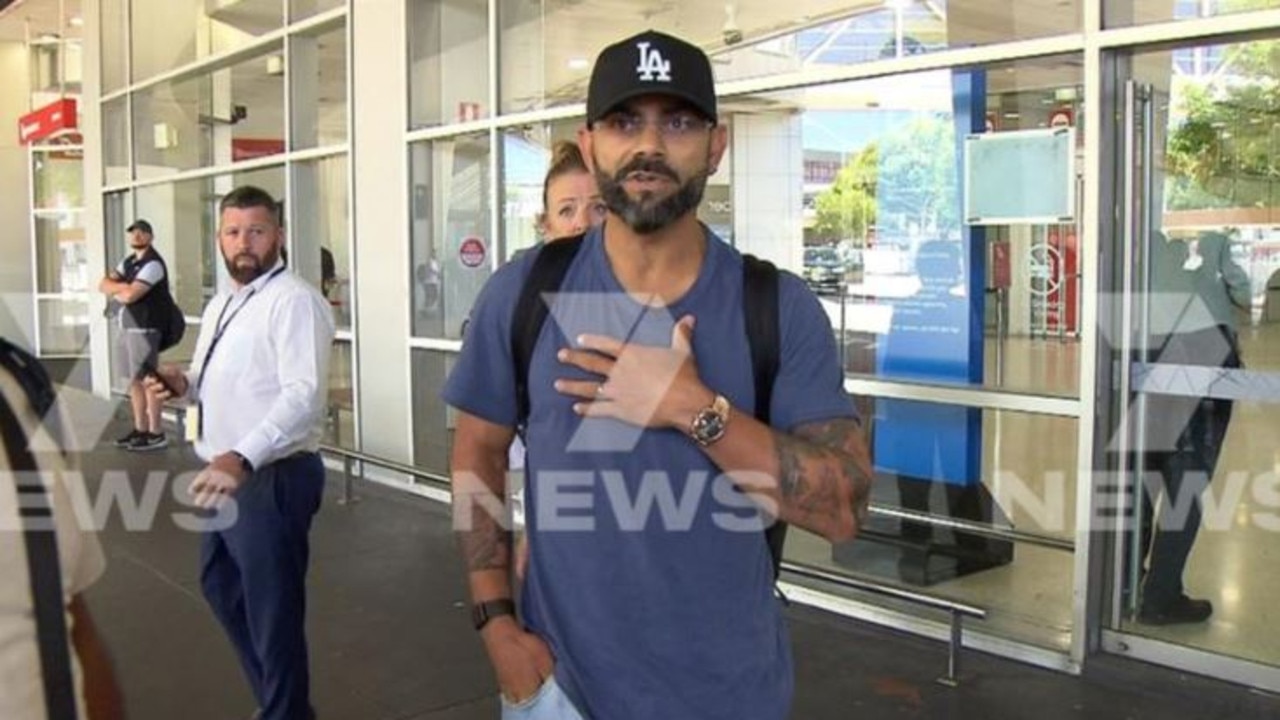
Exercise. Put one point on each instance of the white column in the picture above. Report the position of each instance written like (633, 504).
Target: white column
(379, 108)
(17, 318)
(768, 187)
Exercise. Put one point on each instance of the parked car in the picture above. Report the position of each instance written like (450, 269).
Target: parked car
(825, 270)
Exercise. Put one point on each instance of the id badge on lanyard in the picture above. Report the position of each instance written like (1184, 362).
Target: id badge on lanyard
(194, 425)
(193, 422)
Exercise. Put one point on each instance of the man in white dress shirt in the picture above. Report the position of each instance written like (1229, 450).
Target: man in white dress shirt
(257, 382)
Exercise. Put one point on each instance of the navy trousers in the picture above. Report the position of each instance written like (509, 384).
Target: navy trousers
(1189, 433)
(254, 575)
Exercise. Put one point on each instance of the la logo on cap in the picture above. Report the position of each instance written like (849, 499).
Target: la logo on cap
(651, 62)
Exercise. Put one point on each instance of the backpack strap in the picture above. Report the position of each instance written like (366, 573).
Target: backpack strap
(40, 538)
(760, 310)
(549, 268)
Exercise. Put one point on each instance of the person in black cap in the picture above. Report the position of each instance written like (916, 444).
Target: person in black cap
(138, 295)
(649, 586)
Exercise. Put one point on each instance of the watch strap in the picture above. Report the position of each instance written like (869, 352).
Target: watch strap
(483, 612)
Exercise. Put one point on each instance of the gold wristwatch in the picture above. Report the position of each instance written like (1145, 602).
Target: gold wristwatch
(710, 422)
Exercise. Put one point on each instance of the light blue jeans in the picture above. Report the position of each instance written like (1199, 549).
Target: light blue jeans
(549, 703)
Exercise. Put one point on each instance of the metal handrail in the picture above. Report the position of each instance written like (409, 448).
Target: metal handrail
(957, 610)
(968, 526)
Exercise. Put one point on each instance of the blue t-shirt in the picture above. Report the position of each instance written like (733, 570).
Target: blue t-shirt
(649, 576)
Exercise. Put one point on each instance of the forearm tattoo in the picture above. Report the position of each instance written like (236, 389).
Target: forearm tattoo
(825, 471)
(483, 533)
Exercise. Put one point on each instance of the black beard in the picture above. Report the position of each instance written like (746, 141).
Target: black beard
(245, 274)
(646, 215)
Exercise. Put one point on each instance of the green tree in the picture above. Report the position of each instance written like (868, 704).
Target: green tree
(918, 176)
(1223, 148)
(847, 208)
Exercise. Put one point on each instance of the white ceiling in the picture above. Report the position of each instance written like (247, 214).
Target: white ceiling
(41, 16)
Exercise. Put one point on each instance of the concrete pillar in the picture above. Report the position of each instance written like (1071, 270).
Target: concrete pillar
(379, 106)
(17, 318)
(768, 187)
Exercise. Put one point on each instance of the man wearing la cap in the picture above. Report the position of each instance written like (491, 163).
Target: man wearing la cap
(627, 611)
(137, 290)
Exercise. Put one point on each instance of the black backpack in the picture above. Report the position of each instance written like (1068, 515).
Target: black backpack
(172, 325)
(759, 305)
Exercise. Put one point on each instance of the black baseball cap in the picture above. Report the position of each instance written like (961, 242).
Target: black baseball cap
(140, 224)
(651, 63)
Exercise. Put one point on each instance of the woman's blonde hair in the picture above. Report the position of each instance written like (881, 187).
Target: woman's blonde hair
(565, 158)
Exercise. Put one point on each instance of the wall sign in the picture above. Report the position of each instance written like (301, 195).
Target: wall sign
(472, 252)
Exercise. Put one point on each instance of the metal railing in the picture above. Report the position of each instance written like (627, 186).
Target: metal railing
(956, 610)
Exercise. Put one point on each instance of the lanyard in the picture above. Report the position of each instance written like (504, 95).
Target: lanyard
(220, 327)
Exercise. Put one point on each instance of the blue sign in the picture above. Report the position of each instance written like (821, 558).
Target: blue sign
(936, 334)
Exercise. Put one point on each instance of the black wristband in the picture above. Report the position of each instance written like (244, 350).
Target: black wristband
(482, 613)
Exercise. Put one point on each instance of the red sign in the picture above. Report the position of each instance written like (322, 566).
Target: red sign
(1001, 266)
(250, 148)
(468, 111)
(49, 120)
(1062, 117)
(1061, 302)
(472, 252)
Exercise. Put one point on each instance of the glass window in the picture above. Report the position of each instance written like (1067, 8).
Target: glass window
(318, 231)
(452, 251)
(1203, 470)
(449, 61)
(59, 179)
(216, 118)
(318, 83)
(113, 16)
(983, 466)
(155, 52)
(526, 155)
(433, 421)
(62, 264)
(64, 326)
(115, 142)
(195, 29)
(857, 187)
(303, 9)
(340, 418)
(548, 47)
(117, 214)
(1122, 13)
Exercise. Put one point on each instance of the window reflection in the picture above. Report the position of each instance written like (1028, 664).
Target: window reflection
(751, 40)
(858, 188)
(452, 248)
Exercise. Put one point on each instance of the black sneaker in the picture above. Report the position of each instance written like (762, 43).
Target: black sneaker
(127, 440)
(1182, 610)
(148, 442)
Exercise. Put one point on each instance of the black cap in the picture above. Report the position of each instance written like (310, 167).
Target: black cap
(651, 63)
(142, 225)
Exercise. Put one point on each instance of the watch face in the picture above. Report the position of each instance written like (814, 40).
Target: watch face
(709, 426)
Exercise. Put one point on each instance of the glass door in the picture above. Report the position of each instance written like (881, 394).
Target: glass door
(1193, 486)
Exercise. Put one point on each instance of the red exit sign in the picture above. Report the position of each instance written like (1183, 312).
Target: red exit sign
(54, 118)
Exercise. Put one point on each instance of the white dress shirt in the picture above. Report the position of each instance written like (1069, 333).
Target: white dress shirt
(264, 388)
